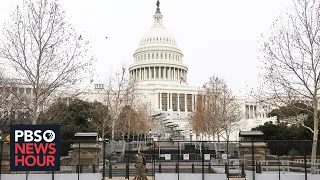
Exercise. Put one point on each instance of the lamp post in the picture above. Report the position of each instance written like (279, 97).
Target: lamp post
(191, 136)
(150, 133)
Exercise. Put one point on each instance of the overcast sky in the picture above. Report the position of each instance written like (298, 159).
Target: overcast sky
(216, 37)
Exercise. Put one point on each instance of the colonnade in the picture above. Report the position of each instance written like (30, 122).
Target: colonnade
(158, 56)
(177, 102)
(158, 72)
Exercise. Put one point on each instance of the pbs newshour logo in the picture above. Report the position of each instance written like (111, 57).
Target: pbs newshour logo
(35, 148)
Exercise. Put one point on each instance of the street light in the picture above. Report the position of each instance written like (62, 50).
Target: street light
(191, 136)
(150, 133)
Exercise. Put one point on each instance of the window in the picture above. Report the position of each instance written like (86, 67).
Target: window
(189, 102)
(157, 72)
(152, 73)
(182, 102)
(164, 102)
(175, 102)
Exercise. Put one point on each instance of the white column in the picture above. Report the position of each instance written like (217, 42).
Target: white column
(149, 75)
(185, 103)
(137, 72)
(178, 103)
(140, 69)
(154, 72)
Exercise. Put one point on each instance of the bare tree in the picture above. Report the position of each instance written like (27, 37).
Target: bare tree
(43, 51)
(292, 62)
(120, 91)
(218, 113)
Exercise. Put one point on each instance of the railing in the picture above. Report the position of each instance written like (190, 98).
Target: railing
(231, 159)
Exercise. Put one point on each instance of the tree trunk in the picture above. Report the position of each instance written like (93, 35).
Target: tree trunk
(102, 132)
(35, 112)
(112, 133)
(315, 133)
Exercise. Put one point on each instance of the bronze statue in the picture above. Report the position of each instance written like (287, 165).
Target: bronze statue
(158, 3)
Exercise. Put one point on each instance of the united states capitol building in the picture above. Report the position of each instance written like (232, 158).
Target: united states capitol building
(162, 80)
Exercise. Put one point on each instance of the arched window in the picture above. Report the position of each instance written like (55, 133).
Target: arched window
(161, 56)
(165, 56)
(157, 56)
(152, 56)
(145, 56)
(148, 56)
(169, 56)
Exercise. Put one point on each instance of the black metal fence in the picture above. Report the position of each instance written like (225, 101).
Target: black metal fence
(233, 158)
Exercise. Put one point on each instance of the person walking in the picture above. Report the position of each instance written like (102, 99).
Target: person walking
(139, 167)
(144, 168)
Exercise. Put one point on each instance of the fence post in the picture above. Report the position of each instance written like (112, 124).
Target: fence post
(202, 147)
(242, 171)
(127, 170)
(279, 168)
(81, 168)
(79, 161)
(192, 168)
(305, 161)
(110, 171)
(177, 168)
(94, 168)
(52, 175)
(1, 154)
(252, 159)
(160, 170)
(209, 167)
(178, 160)
(226, 170)
(104, 159)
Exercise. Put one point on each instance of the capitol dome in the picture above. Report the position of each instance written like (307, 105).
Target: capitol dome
(158, 59)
